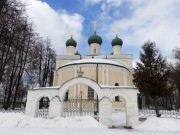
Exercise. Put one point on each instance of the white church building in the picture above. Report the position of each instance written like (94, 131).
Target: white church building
(89, 85)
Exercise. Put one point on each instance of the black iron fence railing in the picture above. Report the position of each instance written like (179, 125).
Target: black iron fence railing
(13, 106)
(164, 113)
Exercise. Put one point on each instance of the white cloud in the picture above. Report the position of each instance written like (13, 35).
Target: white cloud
(134, 62)
(114, 2)
(54, 24)
(93, 2)
(172, 61)
(148, 20)
(105, 4)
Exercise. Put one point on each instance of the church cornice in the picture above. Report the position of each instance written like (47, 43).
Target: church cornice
(85, 63)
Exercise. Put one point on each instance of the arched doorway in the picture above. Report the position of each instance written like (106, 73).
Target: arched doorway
(131, 110)
(118, 111)
(80, 97)
(80, 100)
(43, 105)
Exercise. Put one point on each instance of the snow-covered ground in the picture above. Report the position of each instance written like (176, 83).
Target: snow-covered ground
(19, 124)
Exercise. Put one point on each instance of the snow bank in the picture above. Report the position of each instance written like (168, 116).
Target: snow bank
(21, 121)
(160, 124)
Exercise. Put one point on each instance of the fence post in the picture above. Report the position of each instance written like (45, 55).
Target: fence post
(55, 108)
(105, 112)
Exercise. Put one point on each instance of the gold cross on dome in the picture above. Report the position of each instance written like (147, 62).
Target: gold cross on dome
(94, 26)
(72, 31)
(116, 30)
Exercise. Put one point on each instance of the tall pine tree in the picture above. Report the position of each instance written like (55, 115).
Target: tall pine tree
(175, 71)
(151, 75)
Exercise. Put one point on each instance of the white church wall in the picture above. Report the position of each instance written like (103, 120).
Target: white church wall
(56, 107)
(105, 112)
(33, 98)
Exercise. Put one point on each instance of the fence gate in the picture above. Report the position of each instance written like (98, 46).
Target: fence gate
(80, 107)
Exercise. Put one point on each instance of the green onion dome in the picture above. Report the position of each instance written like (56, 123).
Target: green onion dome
(95, 39)
(71, 42)
(117, 41)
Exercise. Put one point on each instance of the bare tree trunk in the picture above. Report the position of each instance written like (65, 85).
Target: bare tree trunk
(155, 102)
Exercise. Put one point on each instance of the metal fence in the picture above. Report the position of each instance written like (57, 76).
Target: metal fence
(43, 113)
(164, 113)
(17, 107)
(81, 107)
(12, 110)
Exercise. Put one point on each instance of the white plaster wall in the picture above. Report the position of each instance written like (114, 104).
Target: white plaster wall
(33, 98)
(116, 49)
(105, 112)
(71, 50)
(94, 46)
(55, 108)
(79, 80)
(106, 95)
(130, 95)
(132, 111)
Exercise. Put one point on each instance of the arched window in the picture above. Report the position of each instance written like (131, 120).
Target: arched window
(116, 84)
(117, 98)
(94, 51)
(90, 93)
(66, 96)
(44, 102)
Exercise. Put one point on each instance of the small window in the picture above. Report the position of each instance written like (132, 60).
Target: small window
(117, 99)
(94, 51)
(66, 96)
(90, 93)
(44, 102)
(116, 84)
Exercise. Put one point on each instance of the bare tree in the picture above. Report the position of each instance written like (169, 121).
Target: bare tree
(25, 58)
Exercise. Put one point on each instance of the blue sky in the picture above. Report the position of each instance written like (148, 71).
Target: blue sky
(138, 21)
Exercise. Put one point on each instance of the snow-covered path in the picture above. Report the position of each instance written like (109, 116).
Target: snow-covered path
(73, 131)
(18, 124)
(119, 119)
